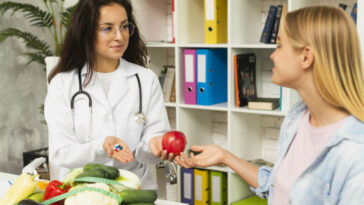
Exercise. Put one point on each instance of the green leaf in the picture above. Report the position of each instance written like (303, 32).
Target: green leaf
(41, 109)
(35, 57)
(51, 1)
(33, 14)
(66, 16)
(30, 40)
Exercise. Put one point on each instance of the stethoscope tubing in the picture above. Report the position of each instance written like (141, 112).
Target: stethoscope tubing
(140, 115)
(80, 91)
(140, 93)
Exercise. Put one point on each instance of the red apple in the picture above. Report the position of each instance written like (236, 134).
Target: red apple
(174, 142)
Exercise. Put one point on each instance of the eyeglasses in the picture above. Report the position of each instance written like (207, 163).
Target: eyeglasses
(109, 31)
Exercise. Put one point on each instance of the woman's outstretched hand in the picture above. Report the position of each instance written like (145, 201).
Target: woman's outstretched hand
(155, 146)
(123, 155)
(210, 155)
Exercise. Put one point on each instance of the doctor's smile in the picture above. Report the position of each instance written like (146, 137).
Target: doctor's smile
(117, 47)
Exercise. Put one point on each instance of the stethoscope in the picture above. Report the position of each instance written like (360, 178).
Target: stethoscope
(139, 116)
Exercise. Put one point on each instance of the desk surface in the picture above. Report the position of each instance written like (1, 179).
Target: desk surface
(4, 177)
(7, 176)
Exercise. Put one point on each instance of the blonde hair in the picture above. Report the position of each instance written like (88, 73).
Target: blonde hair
(337, 68)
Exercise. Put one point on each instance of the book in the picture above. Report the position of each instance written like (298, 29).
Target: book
(263, 104)
(173, 93)
(276, 23)
(168, 84)
(162, 75)
(343, 6)
(267, 30)
(253, 200)
(245, 87)
(354, 12)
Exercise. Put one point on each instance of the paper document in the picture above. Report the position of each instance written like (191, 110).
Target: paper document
(4, 187)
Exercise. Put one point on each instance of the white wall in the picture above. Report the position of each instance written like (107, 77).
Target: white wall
(22, 91)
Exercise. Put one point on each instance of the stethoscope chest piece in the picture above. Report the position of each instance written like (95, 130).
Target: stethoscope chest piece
(140, 117)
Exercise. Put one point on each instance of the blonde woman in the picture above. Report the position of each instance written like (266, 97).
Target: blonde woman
(320, 157)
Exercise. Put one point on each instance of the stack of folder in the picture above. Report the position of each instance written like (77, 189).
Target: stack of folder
(205, 81)
(203, 187)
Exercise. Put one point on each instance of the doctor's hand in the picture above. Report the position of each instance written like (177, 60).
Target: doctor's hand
(155, 146)
(210, 155)
(123, 155)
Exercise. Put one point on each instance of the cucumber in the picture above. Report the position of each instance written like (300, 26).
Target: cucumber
(132, 196)
(28, 202)
(93, 173)
(111, 172)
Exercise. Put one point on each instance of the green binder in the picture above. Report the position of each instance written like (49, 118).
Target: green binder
(218, 188)
(253, 200)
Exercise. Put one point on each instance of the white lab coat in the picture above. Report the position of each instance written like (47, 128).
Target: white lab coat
(72, 145)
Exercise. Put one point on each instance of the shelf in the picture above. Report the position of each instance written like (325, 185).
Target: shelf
(152, 44)
(218, 168)
(256, 45)
(170, 104)
(201, 45)
(276, 112)
(248, 134)
(217, 107)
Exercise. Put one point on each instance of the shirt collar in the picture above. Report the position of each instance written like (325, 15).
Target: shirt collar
(352, 129)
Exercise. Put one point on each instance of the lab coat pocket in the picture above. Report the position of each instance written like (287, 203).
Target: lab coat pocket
(82, 119)
(134, 134)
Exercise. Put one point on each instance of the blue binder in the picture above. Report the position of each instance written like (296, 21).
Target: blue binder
(187, 184)
(211, 76)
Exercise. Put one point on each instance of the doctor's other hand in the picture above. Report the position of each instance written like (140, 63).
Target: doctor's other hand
(155, 146)
(123, 155)
(210, 155)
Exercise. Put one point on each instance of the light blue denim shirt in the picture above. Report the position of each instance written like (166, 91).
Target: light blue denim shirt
(335, 177)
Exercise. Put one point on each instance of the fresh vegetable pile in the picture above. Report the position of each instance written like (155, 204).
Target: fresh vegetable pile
(92, 184)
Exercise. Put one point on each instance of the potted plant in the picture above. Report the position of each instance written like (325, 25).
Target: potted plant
(54, 19)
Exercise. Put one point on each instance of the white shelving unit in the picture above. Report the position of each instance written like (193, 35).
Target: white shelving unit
(241, 130)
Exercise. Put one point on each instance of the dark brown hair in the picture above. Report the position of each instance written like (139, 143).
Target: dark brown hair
(78, 47)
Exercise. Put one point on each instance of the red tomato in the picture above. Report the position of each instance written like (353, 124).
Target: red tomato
(174, 142)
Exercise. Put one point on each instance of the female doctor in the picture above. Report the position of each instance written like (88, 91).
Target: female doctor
(103, 106)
